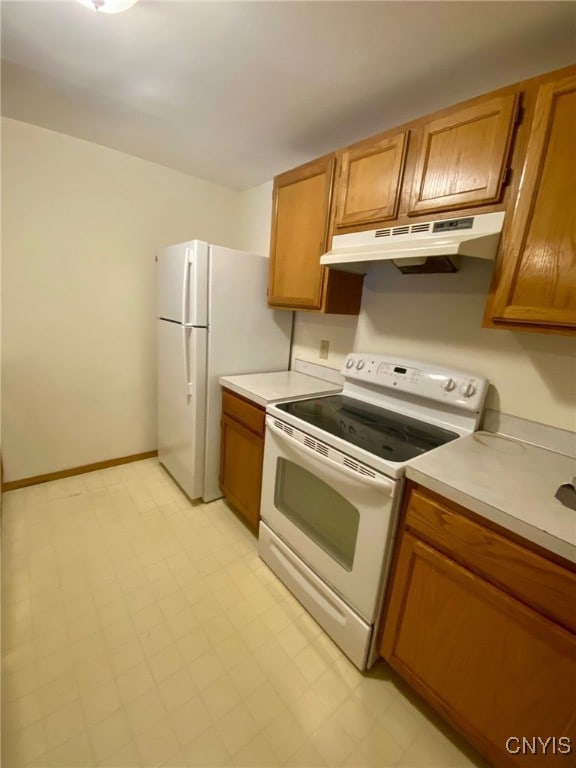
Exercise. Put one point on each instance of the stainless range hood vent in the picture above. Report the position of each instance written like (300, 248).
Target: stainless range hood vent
(474, 236)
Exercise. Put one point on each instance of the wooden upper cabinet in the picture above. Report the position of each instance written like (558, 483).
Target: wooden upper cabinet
(537, 280)
(300, 221)
(301, 206)
(463, 156)
(370, 178)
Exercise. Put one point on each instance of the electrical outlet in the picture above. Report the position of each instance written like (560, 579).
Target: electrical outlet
(324, 349)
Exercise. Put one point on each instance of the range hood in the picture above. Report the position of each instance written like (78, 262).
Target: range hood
(410, 246)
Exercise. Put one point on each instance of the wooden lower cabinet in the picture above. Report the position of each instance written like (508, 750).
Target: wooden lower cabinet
(241, 455)
(492, 664)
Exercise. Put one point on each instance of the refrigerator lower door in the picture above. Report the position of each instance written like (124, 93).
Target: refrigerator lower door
(181, 403)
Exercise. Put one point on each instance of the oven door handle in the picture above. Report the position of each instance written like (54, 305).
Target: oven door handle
(382, 483)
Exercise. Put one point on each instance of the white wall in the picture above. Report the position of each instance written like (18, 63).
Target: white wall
(255, 217)
(438, 318)
(80, 225)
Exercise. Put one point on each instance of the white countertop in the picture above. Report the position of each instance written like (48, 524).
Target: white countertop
(265, 388)
(507, 481)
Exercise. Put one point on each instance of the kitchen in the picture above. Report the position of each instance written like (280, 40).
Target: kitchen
(48, 390)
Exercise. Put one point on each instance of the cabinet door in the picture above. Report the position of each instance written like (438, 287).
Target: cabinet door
(369, 181)
(242, 453)
(537, 283)
(492, 666)
(463, 157)
(300, 217)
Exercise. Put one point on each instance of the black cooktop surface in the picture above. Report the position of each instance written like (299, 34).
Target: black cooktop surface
(384, 433)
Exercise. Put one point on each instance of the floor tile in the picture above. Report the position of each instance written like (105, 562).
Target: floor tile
(265, 704)
(207, 750)
(332, 742)
(256, 754)
(237, 728)
(176, 689)
(55, 694)
(23, 745)
(63, 724)
(157, 744)
(71, 754)
(110, 734)
(155, 639)
(165, 663)
(220, 696)
(126, 757)
(21, 682)
(144, 711)
(99, 702)
(247, 676)
(135, 681)
(190, 720)
(284, 734)
(378, 749)
(21, 712)
(306, 755)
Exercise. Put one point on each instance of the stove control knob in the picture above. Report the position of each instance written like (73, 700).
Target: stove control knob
(467, 389)
(349, 363)
(359, 365)
(448, 385)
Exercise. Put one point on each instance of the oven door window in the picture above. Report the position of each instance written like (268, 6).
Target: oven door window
(324, 515)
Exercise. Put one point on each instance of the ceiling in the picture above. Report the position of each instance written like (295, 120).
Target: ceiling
(236, 92)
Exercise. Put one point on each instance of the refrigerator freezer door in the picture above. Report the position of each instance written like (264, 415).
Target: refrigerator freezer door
(182, 280)
(181, 403)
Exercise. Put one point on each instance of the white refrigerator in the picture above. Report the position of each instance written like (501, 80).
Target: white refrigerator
(212, 321)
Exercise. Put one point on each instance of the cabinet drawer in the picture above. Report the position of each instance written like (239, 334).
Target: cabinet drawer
(247, 413)
(536, 581)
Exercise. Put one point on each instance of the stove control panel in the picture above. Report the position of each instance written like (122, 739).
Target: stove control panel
(454, 388)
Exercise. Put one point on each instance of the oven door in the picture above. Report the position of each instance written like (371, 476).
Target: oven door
(337, 514)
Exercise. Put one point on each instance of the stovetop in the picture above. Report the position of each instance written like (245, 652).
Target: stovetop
(381, 432)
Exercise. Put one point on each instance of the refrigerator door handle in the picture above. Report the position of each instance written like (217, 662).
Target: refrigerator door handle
(186, 352)
(185, 285)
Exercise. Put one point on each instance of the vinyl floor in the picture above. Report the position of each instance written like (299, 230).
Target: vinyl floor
(140, 629)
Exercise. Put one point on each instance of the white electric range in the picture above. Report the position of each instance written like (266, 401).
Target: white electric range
(333, 480)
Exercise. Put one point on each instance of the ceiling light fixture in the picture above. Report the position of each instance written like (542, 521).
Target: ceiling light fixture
(108, 6)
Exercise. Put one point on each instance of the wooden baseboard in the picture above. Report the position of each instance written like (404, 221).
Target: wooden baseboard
(13, 484)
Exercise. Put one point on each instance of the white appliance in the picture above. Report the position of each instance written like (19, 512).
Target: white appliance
(212, 321)
(333, 469)
(476, 236)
